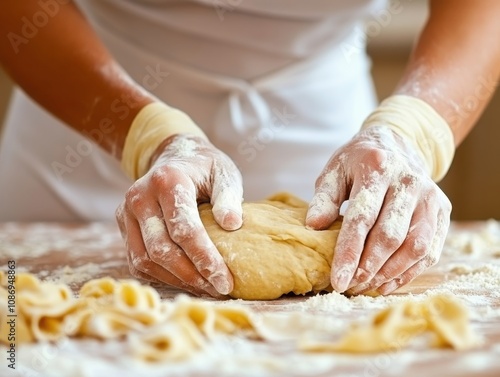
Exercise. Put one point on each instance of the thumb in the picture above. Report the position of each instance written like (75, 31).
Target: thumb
(325, 204)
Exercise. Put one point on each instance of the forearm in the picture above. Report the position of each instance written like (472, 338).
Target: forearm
(456, 62)
(68, 71)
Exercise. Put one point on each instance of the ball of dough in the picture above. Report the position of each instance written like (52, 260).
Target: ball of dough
(273, 253)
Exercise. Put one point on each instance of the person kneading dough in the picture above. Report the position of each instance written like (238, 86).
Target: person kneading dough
(145, 109)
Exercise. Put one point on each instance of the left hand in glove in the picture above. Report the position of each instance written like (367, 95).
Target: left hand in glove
(398, 218)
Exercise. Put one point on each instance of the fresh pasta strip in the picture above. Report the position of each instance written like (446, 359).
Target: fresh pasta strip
(173, 341)
(232, 320)
(23, 331)
(169, 331)
(211, 319)
(199, 314)
(449, 321)
(41, 309)
(127, 298)
(395, 327)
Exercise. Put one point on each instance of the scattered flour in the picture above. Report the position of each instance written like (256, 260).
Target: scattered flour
(478, 288)
(77, 275)
(483, 241)
(37, 239)
(336, 303)
(227, 356)
(476, 284)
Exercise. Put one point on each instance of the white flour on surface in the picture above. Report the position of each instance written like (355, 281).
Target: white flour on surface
(336, 302)
(478, 288)
(77, 275)
(71, 275)
(36, 239)
(475, 282)
(225, 357)
(230, 356)
(483, 241)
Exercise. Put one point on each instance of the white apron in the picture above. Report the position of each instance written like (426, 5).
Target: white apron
(277, 85)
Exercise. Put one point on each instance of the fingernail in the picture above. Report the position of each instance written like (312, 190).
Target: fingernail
(343, 207)
(311, 217)
(354, 284)
(228, 219)
(359, 288)
(221, 283)
(359, 278)
(215, 295)
(209, 289)
(342, 280)
(389, 287)
(321, 210)
(232, 220)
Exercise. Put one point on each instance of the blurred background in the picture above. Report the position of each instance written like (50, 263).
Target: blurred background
(473, 182)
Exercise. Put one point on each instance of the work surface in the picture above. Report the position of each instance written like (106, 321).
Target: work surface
(469, 269)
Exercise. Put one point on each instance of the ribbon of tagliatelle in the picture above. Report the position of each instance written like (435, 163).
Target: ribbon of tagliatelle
(158, 330)
(153, 124)
(416, 120)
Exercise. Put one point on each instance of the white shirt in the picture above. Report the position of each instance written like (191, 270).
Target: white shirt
(276, 85)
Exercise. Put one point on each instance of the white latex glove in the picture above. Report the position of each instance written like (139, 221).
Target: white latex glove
(159, 218)
(397, 219)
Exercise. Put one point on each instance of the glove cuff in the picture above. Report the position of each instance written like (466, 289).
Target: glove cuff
(414, 119)
(153, 124)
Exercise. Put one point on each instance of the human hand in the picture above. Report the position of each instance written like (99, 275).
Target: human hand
(397, 219)
(165, 238)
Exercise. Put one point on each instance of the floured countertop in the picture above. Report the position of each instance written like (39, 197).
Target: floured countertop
(73, 254)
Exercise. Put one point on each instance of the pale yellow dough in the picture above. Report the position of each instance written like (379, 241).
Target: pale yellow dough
(273, 253)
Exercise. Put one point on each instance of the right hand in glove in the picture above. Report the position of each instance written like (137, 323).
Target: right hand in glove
(159, 220)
